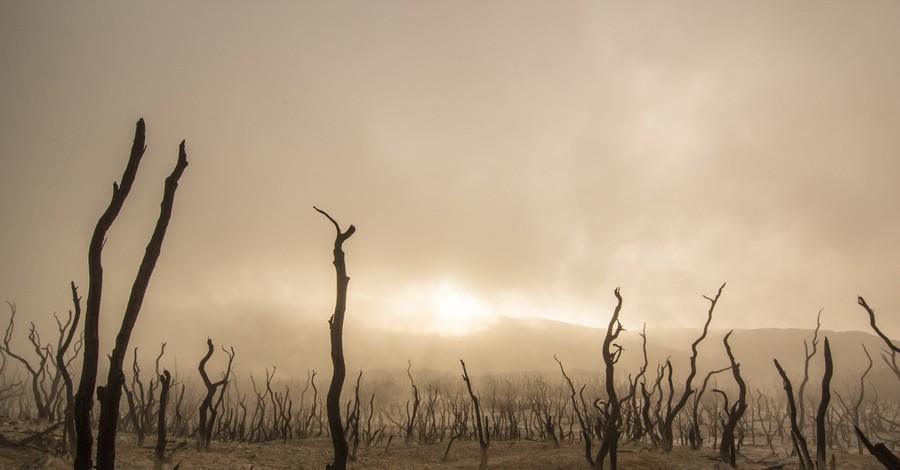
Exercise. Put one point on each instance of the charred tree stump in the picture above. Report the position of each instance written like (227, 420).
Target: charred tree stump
(336, 326)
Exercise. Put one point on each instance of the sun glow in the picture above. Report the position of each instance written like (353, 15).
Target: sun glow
(455, 311)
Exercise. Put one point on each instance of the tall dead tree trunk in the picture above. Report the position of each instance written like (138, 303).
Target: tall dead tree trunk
(800, 447)
(821, 463)
(801, 394)
(482, 429)
(110, 395)
(672, 412)
(610, 441)
(84, 399)
(68, 423)
(207, 411)
(159, 452)
(336, 326)
(727, 449)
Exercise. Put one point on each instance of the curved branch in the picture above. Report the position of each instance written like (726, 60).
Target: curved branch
(890, 344)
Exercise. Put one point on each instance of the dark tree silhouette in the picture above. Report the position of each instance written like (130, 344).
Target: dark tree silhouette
(84, 399)
(62, 366)
(110, 395)
(800, 447)
(821, 463)
(165, 379)
(727, 449)
(612, 412)
(880, 451)
(672, 412)
(336, 326)
(208, 412)
(482, 429)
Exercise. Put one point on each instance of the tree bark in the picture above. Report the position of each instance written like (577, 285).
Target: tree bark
(336, 327)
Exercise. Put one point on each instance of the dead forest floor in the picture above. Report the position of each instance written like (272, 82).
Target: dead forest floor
(313, 454)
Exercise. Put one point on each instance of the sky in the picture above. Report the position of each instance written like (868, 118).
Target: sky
(502, 158)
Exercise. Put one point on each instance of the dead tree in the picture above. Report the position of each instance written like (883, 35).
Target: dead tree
(672, 411)
(800, 447)
(411, 414)
(880, 451)
(84, 399)
(801, 395)
(165, 379)
(336, 326)
(695, 438)
(612, 412)
(63, 367)
(208, 412)
(821, 463)
(110, 395)
(482, 428)
(727, 450)
(35, 371)
(581, 415)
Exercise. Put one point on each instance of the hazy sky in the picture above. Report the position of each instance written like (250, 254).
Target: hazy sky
(497, 158)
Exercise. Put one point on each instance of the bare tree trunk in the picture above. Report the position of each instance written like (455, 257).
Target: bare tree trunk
(336, 326)
(110, 395)
(821, 463)
(207, 411)
(727, 449)
(84, 399)
(610, 440)
(411, 414)
(160, 451)
(796, 433)
(672, 412)
(68, 423)
(481, 423)
(801, 394)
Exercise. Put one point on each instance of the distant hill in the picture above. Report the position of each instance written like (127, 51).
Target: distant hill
(520, 345)
(513, 345)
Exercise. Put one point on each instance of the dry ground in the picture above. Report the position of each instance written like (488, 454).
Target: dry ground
(313, 454)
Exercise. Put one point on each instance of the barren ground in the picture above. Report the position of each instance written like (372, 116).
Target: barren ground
(313, 454)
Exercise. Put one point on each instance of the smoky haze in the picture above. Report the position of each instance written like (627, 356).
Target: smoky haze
(508, 159)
